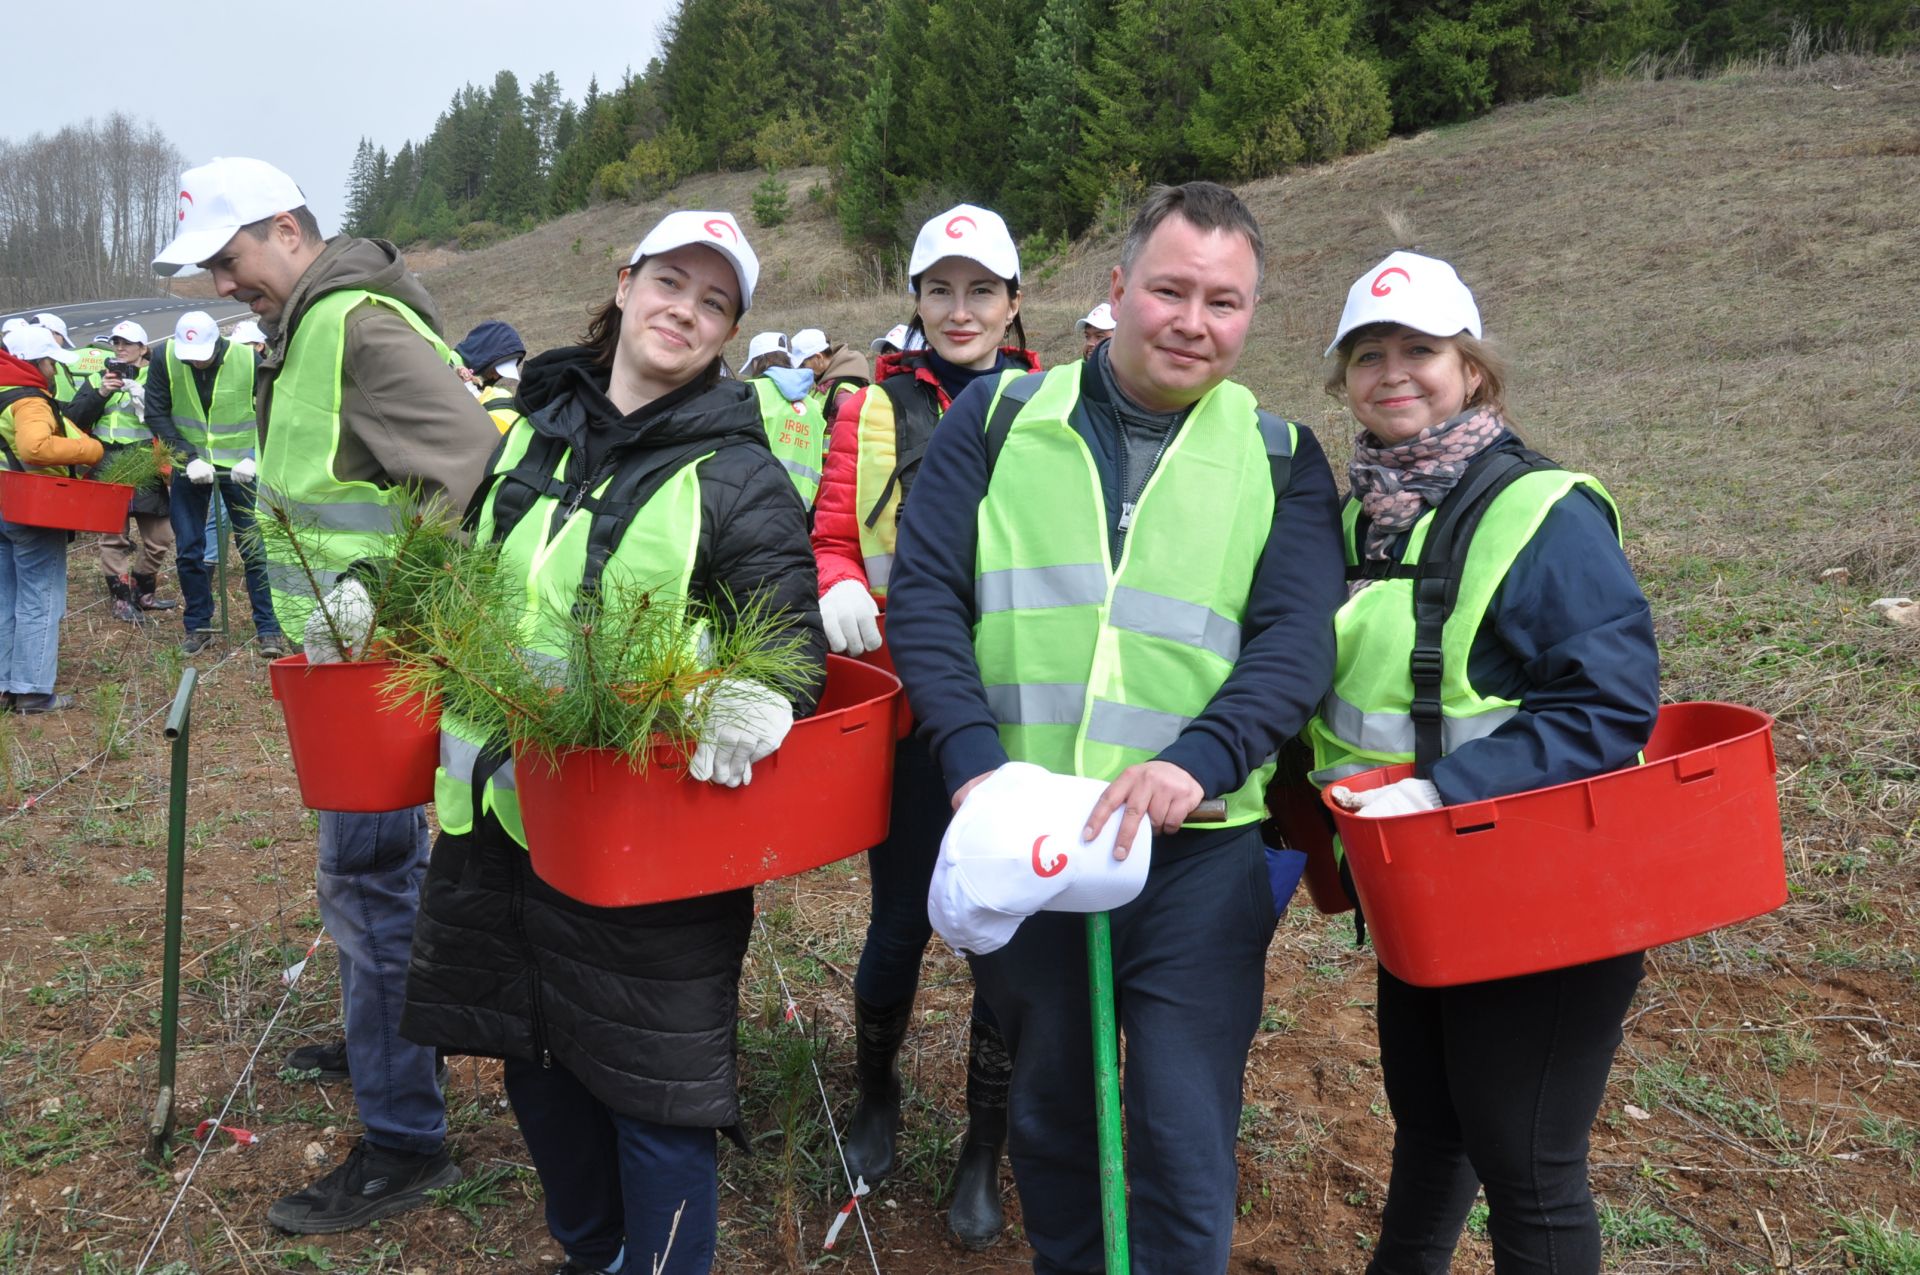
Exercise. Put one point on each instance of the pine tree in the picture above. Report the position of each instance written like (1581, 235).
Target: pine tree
(543, 110)
(1048, 102)
(514, 193)
(868, 201)
(361, 192)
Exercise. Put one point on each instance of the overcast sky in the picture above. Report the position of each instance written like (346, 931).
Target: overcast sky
(301, 92)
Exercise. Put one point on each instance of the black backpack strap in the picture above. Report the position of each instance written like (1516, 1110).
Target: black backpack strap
(915, 413)
(633, 485)
(520, 486)
(1436, 584)
(1276, 433)
(8, 397)
(1000, 424)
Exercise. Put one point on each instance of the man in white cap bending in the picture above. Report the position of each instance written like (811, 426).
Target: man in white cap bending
(356, 399)
(1123, 569)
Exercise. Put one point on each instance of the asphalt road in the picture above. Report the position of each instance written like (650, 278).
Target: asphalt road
(157, 315)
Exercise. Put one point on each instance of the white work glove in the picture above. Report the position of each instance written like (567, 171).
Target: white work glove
(352, 611)
(745, 722)
(137, 395)
(199, 472)
(1405, 797)
(245, 470)
(850, 615)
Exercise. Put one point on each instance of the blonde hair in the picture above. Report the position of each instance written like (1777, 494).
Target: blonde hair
(1479, 353)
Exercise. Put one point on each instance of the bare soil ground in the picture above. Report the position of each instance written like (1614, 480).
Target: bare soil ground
(1702, 285)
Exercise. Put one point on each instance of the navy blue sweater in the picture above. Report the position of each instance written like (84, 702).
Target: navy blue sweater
(1570, 636)
(1286, 655)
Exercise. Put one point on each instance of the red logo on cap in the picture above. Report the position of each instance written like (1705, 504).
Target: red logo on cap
(192, 335)
(954, 232)
(1052, 869)
(721, 230)
(1380, 285)
(185, 199)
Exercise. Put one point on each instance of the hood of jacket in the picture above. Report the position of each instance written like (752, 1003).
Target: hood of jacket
(564, 394)
(15, 372)
(370, 265)
(794, 383)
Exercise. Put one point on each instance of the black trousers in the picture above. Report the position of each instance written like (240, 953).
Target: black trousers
(1497, 1084)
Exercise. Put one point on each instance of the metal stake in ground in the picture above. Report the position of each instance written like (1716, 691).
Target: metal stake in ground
(1106, 1070)
(220, 566)
(179, 727)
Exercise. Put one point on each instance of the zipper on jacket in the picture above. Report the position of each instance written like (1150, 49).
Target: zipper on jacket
(535, 1019)
(1129, 505)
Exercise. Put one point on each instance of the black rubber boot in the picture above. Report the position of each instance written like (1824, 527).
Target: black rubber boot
(873, 1133)
(144, 589)
(125, 607)
(975, 1218)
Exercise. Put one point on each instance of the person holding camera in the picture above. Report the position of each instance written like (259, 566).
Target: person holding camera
(115, 413)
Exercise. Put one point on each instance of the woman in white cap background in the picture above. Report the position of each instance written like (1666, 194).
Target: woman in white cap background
(1549, 674)
(33, 560)
(115, 413)
(965, 278)
(788, 411)
(617, 1024)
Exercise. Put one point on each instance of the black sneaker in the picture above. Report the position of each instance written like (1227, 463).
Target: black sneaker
(328, 1063)
(371, 1183)
(329, 1060)
(47, 702)
(273, 646)
(199, 640)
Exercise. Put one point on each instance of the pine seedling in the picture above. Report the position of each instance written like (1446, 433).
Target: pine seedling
(137, 466)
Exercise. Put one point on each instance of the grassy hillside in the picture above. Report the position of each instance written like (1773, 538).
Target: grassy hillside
(1703, 288)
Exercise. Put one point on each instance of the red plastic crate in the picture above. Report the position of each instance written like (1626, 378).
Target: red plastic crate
(356, 746)
(608, 835)
(882, 659)
(1560, 876)
(70, 504)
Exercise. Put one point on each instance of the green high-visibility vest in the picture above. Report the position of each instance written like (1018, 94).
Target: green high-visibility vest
(656, 552)
(221, 432)
(120, 423)
(797, 433)
(300, 447)
(1090, 668)
(1365, 720)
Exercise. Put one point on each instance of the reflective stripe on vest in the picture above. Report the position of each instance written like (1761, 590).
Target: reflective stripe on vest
(872, 467)
(1364, 720)
(223, 431)
(1090, 668)
(300, 446)
(120, 422)
(657, 550)
(797, 433)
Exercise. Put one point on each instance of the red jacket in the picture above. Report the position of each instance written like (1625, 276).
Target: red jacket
(836, 523)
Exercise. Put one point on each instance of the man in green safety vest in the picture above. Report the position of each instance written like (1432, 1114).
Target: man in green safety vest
(1123, 569)
(356, 399)
(200, 403)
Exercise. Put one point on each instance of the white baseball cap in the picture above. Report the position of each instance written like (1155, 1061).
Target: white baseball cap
(247, 332)
(195, 335)
(33, 342)
(1422, 293)
(766, 343)
(55, 324)
(1014, 849)
(808, 342)
(128, 330)
(218, 198)
(16, 322)
(896, 336)
(1099, 318)
(964, 230)
(718, 231)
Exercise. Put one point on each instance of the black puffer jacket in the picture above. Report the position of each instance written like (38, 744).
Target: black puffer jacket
(638, 1003)
(88, 406)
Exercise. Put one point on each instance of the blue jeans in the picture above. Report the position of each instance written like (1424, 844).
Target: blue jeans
(1189, 970)
(901, 870)
(613, 1183)
(33, 598)
(190, 502)
(369, 889)
(213, 529)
